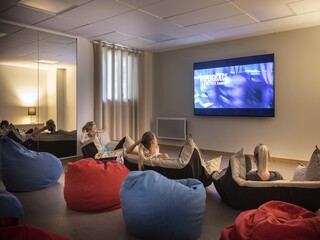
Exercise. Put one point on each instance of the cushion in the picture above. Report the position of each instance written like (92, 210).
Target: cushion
(155, 207)
(92, 185)
(128, 142)
(311, 172)
(24, 170)
(12, 229)
(104, 137)
(299, 173)
(274, 220)
(313, 167)
(185, 156)
(94, 149)
(10, 205)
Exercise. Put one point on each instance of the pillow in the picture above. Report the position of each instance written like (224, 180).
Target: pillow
(128, 142)
(311, 172)
(104, 137)
(313, 167)
(238, 165)
(213, 165)
(299, 173)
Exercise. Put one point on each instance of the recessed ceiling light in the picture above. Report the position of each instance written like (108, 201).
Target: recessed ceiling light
(2, 34)
(51, 6)
(46, 61)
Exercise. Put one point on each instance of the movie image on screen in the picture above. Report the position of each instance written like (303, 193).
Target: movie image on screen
(235, 87)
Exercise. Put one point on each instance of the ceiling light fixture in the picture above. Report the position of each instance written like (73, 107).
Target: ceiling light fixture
(2, 34)
(46, 61)
(51, 6)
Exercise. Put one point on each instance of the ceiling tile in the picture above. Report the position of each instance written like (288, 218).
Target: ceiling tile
(274, 13)
(169, 8)
(136, 43)
(89, 31)
(246, 31)
(140, 24)
(25, 15)
(305, 6)
(139, 3)
(205, 15)
(294, 22)
(114, 37)
(210, 28)
(59, 23)
(5, 4)
(95, 11)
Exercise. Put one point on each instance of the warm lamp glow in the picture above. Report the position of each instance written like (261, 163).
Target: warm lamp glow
(32, 111)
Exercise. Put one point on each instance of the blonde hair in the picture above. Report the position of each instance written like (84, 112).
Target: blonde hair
(144, 148)
(261, 154)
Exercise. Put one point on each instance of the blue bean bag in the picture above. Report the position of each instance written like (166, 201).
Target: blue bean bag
(155, 207)
(10, 206)
(23, 170)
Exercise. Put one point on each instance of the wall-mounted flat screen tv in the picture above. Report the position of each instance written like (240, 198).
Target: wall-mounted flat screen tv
(235, 87)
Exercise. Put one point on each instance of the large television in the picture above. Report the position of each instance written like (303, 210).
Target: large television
(241, 86)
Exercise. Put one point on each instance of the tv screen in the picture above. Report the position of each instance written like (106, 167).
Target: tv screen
(235, 87)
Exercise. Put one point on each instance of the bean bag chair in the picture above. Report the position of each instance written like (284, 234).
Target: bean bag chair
(10, 205)
(155, 207)
(92, 185)
(241, 194)
(12, 229)
(274, 220)
(189, 164)
(24, 170)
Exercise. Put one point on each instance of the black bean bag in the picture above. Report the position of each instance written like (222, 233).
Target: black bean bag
(189, 164)
(241, 194)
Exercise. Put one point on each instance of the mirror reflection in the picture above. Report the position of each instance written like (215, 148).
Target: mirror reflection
(38, 83)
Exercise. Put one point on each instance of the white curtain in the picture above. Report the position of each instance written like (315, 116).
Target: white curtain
(118, 81)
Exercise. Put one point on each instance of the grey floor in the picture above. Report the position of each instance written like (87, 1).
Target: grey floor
(47, 209)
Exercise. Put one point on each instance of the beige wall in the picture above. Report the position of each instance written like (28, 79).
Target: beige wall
(19, 89)
(85, 90)
(291, 134)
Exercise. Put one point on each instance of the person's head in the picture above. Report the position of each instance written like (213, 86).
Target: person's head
(236, 90)
(4, 124)
(148, 140)
(261, 156)
(90, 128)
(51, 126)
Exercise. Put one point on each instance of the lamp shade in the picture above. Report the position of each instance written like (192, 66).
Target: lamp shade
(32, 110)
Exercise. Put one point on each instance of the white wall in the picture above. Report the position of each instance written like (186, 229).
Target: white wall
(85, 90)
(20, 88)
(292, 134)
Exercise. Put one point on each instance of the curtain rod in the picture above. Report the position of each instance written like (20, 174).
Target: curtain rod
(116, 45)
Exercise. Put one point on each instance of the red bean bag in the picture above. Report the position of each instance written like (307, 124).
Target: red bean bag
(274, 220)
(92, 185)
(12, 229)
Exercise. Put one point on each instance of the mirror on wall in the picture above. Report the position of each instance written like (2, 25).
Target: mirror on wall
(38, 83)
